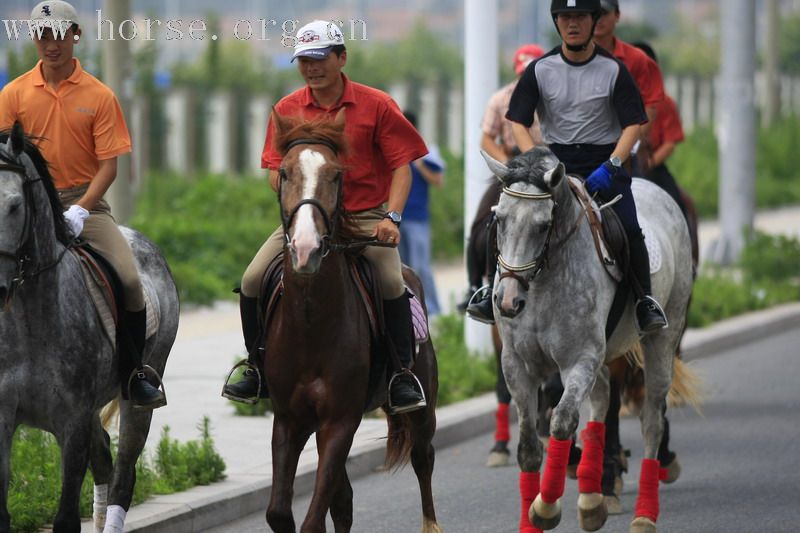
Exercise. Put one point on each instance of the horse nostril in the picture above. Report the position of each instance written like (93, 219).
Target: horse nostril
(519, 305)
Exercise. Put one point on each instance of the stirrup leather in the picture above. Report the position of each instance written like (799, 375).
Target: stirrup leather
(147, 372)
(396, 410)
(249, 401)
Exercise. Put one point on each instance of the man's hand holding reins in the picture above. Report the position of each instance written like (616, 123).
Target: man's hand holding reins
(387, 231)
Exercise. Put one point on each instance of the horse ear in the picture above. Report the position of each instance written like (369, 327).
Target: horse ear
(553, 177)
(279, 122)
(500, 170)
(338, 120)
(16, 141)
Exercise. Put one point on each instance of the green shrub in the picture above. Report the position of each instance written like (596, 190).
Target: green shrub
(35, 484)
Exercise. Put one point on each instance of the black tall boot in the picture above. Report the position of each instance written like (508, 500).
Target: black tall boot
(403, 391)
(142, 393)
(252, 386)
(649, 315)
(481, 308)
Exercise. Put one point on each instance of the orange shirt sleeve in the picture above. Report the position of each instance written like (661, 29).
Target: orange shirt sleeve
(111, 137)
(8, 109)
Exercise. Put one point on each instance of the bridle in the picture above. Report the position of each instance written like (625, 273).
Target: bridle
(541, 259)
(21, 255)
(331, 222)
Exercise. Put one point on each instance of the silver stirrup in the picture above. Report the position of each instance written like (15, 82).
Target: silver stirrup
(657, 306)
(396, 410)
(479, 294)
(148, 372)
(249, 401)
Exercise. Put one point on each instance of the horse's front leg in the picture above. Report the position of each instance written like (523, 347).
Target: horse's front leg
(6, 433)
(102, 467)
(578, 381)
(287, 443)
(75, 440)
(657, 379)
(334, 439)
(592, 511)
(524, 390)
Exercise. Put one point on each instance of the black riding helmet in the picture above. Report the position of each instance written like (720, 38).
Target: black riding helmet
(577, 6)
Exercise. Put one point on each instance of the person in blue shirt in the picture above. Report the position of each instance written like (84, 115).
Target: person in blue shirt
(415, 230)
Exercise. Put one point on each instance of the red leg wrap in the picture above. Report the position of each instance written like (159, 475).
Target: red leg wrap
(528, 490)
(647, 502)
(555, 473)
(501, 432)
(590, 469)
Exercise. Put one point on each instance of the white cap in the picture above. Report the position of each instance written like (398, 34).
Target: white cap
(316, 39)
(54, 11)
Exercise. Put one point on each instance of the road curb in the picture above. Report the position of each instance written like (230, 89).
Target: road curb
(206, 507)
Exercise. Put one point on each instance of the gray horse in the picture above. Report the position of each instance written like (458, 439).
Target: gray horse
(552, 297)
(57, 367)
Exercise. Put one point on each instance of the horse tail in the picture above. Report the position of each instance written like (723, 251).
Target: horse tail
(685, 389)
(109, 413)
(399, 442)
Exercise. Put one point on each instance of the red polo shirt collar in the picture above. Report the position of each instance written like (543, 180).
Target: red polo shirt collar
(348, 95)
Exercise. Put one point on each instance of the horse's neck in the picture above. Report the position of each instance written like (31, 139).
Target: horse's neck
(579, 244)
(45, 247)
(327, 289)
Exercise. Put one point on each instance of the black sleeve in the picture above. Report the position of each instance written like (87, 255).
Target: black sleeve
(627, 99)
(525, 98)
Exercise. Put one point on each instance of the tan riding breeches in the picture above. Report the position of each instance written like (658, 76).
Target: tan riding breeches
(101, 232)
(385, 260)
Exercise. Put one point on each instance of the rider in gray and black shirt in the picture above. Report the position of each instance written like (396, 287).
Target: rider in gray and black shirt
(590, 111)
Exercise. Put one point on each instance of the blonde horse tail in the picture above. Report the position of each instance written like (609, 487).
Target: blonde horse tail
(109, 415)
(687, 386)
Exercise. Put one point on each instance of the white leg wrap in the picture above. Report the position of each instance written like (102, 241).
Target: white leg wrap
(99, 507)
(115, 519)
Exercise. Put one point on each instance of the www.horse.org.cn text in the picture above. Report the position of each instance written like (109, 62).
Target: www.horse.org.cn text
(151, 29)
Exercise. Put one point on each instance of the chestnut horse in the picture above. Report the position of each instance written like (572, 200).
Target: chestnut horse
(321, 366)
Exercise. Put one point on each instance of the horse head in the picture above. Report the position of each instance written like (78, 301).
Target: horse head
(311, 185)
(533, 184)
(13, 210)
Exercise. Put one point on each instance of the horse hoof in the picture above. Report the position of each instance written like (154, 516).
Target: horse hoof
(642, 524)
(673, 471)
(613, 505)
(498, 459)
(618, 485)
(429, 526)
(592, 511)
(544, 515)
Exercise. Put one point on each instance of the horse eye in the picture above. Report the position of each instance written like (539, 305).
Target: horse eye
(13, 208)
(283, 175)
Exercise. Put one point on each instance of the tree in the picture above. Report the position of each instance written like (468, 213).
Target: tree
(790, 44)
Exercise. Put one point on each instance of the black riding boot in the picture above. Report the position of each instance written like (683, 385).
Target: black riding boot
(649, 315)
(246, 390)
(404, 393)
(481, 308)
(142, 393)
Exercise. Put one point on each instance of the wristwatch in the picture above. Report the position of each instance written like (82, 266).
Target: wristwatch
(394, 216)
(614, 164)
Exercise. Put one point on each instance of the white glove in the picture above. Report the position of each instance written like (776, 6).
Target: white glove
(75, 216)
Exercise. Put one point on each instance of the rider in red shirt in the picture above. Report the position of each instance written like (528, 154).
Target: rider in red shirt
(382, 144)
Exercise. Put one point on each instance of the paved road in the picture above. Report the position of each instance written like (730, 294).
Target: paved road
(741, 463)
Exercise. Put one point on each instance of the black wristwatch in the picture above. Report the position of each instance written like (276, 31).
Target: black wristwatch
(395, 217)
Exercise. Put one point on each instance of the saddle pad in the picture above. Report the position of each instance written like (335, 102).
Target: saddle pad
(418, 318)
(98, 292)
(653, 248)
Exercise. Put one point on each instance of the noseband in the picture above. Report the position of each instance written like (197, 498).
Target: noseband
(330, 221)
(541, 260)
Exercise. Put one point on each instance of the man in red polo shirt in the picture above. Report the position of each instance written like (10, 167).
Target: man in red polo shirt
(376, 185)
(644, 70)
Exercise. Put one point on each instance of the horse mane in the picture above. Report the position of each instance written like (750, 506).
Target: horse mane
(43, 169)
(531, 167)
(320, 127)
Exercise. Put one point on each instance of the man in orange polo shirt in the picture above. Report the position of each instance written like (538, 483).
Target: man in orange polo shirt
(81, 131)
(646, 73)
(376, 185)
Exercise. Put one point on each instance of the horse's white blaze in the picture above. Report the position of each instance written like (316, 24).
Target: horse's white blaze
(306, 238)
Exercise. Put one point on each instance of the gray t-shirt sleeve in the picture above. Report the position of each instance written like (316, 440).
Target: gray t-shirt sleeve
(525, 98)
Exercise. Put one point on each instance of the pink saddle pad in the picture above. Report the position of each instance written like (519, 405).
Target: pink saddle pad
(418, 318)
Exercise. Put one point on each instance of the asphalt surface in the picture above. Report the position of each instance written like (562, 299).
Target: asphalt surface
(740, 459)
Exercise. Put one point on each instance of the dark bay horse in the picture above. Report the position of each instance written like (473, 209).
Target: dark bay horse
(320, 357)
(57, 366)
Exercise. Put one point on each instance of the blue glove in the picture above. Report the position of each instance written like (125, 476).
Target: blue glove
(599, 179)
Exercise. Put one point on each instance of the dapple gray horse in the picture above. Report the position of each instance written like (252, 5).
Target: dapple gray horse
(57, 367)
(552, 297)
